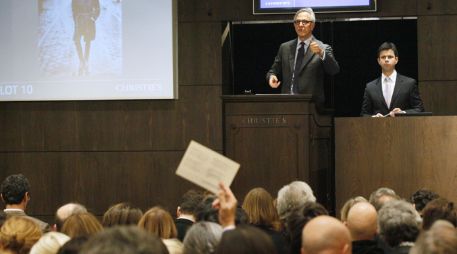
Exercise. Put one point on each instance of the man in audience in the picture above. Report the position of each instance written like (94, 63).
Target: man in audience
(439, 209)
(440, 239)
(362, 224)
(66, 211)
(421, 197)
(186, 212)
(291, 196)
(381, 196)
(398, 224)
(124, 240)
(325, 234)
(15, 193)
(297, 219)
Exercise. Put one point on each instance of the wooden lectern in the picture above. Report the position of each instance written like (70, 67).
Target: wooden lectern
(278, 139)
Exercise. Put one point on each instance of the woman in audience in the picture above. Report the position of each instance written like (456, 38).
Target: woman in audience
(122, 214)
(347, 206)
(202, 238)
(437, 209)
(18, 234)
(245, 239)
(258, 205)
(49, 243)
(160, 223)
(81, 224)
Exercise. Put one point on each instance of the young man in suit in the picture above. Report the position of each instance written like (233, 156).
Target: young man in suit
(301, 63)
(392, 92)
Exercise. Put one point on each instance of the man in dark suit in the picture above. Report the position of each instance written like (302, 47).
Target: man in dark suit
(392, 92)
(186, 212)
(300, 64)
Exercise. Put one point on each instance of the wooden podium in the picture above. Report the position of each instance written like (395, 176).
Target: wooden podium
(278, 139)
(403, 153)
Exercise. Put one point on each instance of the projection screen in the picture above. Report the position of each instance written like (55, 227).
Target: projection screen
(88, 50)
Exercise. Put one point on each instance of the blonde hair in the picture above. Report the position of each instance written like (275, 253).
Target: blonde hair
(19, 234)
(348, 205)
(259, 206)
(81, 224)
(159, 222)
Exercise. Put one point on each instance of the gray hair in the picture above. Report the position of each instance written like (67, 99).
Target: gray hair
(293, 195)
(202, 238)
(307, 10)
(377, 195)
(398, 222)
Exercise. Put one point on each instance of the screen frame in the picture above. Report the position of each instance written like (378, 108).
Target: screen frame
(256, 10)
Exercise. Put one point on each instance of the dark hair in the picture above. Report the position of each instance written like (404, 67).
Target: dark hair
(206, 212)
(245, 239)
(14, 187)
(421, 197)
(190, 201)
(439, 209)
(386, 46)
(297, 220)
(124, 240)
(73, 246)
(2, 217)
(122, 214)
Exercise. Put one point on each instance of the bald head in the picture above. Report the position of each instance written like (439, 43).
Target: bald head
(325, 234)
(362, 221)
(66, 211)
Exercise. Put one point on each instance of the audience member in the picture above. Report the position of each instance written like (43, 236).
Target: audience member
(325, 234)
(49, 243)
(15, 193)
(259, 207)
(439, 209)
(185, 212)
(202, 238)
(291, 196)
(421, 197)
(245, 239)
(73, 246)
(159, 222)
(81, 224)
(398, 224)
(297, 219)
(66, 211)
(349, 203)
(362, 224)
(121, 214)
(18, 234)
(440, 239)
(124, 240)
(206, 212)
(381, 196)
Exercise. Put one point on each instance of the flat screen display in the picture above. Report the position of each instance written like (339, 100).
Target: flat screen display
(87, 50)
(291, 6)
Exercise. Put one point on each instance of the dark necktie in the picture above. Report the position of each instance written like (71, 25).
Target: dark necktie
(298, 62)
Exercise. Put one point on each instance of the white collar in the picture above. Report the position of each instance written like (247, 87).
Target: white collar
(392, 77)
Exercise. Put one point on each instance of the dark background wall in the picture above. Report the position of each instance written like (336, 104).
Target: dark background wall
(103, 152)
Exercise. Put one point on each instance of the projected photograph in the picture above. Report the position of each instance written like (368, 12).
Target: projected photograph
(80, 37)
(88, 50)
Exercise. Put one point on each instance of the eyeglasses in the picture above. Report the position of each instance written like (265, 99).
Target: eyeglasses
(304, 21)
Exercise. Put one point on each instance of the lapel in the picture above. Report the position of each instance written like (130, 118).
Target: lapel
(292, 50)
(308, 56)
(381, 94)
(397, 88)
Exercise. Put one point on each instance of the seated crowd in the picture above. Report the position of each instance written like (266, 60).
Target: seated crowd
(292, 222)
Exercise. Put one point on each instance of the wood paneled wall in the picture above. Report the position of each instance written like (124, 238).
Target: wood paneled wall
(99, 153)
